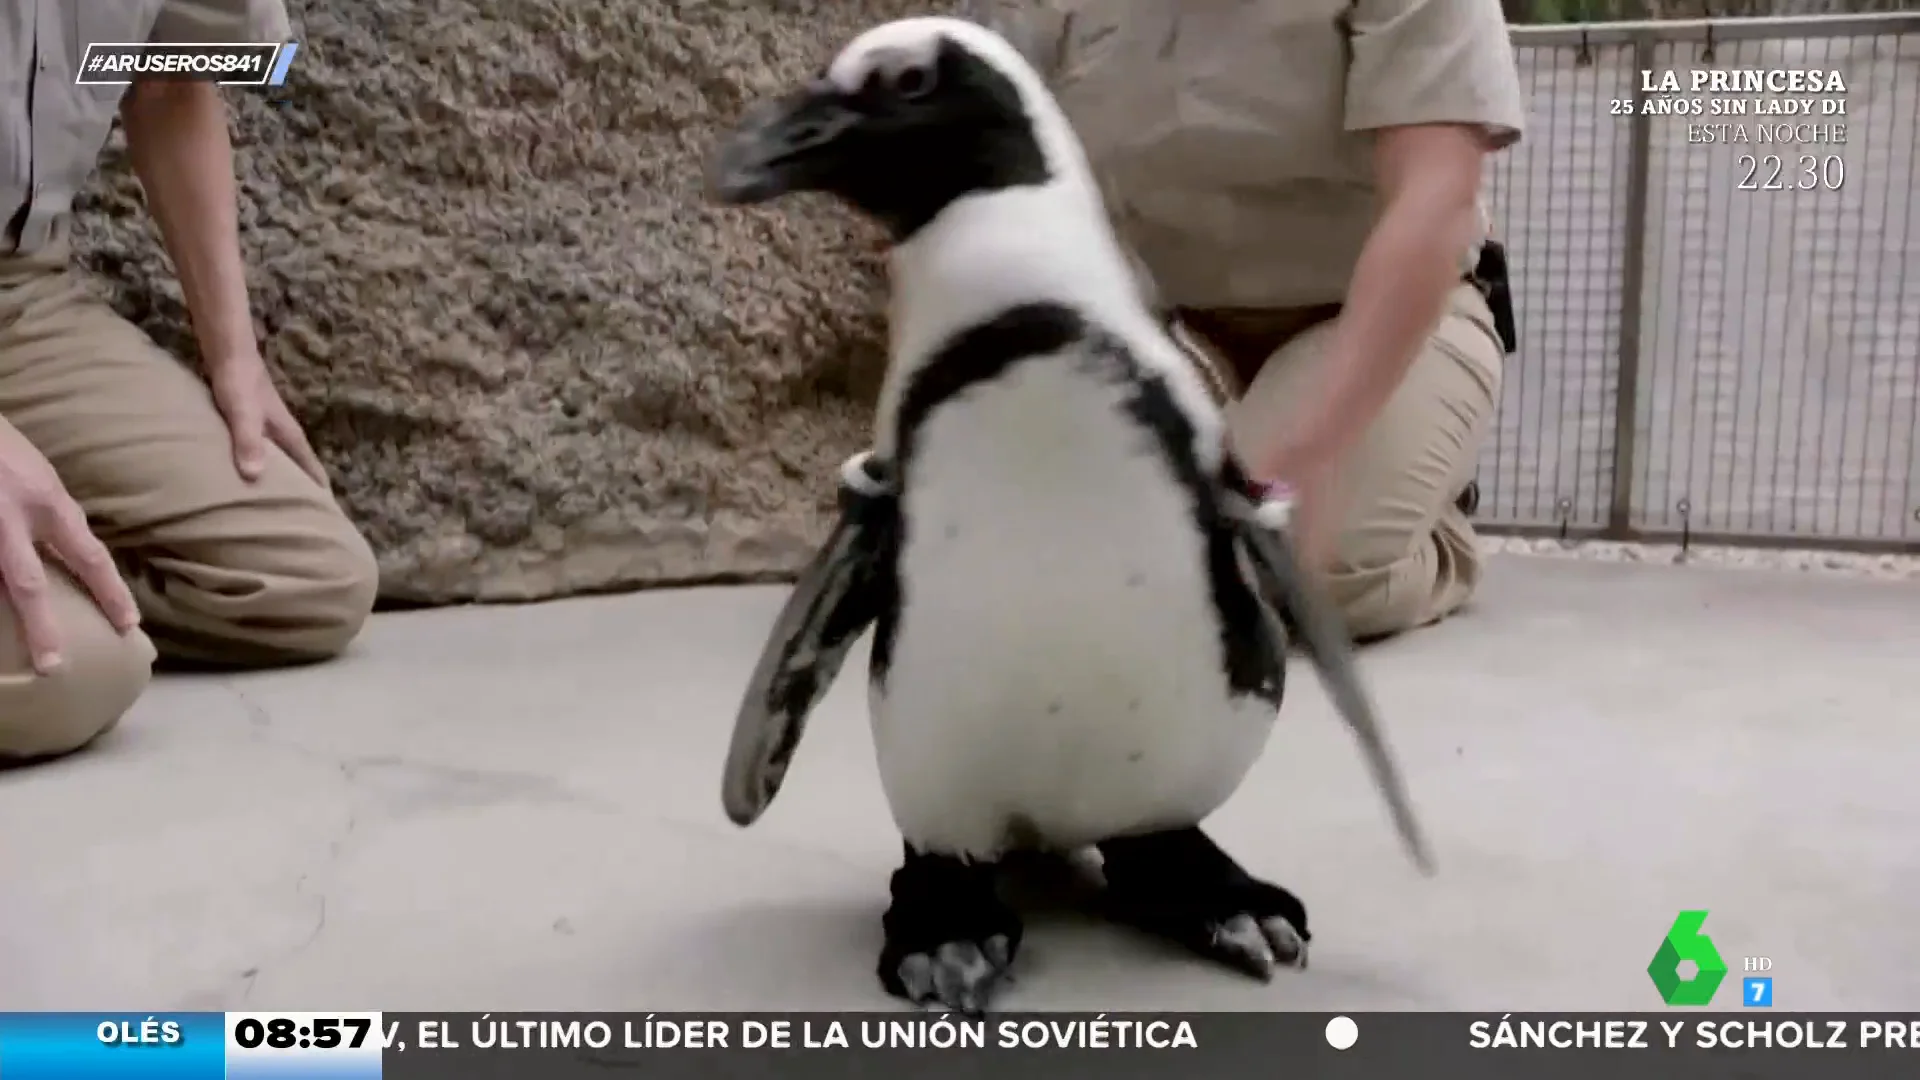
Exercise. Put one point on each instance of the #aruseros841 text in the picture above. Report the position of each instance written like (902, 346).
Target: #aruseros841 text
(248, 64)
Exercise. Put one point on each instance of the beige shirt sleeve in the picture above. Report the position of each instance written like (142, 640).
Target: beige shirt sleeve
(1434, 62)
(232, 21)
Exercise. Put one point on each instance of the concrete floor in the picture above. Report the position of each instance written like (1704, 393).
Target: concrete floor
(518, 808)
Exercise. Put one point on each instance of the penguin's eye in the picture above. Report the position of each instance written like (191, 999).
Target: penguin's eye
(914, 82)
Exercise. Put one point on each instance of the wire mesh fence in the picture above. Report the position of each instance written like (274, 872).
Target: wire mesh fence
(1718, 285)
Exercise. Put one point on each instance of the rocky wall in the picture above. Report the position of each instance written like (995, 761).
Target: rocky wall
(534, 362)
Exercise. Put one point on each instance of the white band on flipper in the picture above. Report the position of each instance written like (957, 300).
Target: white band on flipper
(1274, 512)
(855, 477)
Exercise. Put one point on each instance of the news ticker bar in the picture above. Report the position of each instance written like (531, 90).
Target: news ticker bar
(1111, 1046)
(256, 64)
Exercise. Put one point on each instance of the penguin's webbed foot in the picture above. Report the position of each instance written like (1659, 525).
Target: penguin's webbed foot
(949, 938)
(1180, 886)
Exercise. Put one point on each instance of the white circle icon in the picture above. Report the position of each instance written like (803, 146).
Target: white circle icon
(1342, 1032)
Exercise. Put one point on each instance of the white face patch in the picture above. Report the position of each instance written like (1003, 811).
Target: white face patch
(888, 49)
(906, 42)
(850, 72)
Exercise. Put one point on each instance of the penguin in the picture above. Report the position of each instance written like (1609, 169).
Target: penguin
(1080, 605)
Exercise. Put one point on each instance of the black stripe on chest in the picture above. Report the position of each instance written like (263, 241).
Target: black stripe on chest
(1044, 333)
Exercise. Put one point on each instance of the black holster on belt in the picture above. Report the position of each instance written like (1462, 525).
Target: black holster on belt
(1490, 277)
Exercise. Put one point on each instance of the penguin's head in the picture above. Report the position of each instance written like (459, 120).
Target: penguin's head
(909, 117)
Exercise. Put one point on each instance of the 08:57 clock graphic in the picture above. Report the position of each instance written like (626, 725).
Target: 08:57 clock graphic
(272, 1041)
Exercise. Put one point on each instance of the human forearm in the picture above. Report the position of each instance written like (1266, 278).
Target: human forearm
(1406, 271)
(177, 138)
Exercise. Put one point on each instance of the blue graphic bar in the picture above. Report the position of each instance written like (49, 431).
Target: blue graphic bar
(113, 1046)
(281, 63)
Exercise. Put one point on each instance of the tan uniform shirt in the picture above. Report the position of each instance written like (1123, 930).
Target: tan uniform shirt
(1233, 137)
(51, 130)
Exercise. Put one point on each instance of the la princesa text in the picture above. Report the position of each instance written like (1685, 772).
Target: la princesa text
(1744, 81)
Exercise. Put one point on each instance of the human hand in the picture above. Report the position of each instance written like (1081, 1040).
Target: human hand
(37, 513)
(257, 416)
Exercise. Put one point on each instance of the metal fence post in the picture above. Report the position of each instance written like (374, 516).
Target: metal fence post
(1633, 276)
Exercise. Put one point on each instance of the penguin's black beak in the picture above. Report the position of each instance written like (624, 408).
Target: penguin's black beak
(782, 146)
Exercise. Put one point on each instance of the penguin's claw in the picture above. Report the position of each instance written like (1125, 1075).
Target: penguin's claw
(1289, 944)
(959, 976)
(1241, 944)
(1180, 886)
(948, 938)
(1259, 947)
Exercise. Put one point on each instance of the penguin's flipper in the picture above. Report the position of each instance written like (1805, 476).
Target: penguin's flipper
(835, 598)
(1285, 585)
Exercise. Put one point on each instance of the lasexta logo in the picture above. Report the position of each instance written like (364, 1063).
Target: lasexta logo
(1685, 941)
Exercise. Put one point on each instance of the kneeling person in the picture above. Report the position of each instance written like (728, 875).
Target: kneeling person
(143, 510)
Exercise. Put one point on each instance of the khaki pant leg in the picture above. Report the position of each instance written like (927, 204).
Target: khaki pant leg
(1405, 556)
(225, 571)
(102, 674)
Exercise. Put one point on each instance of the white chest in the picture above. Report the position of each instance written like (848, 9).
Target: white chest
(1056, 675)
